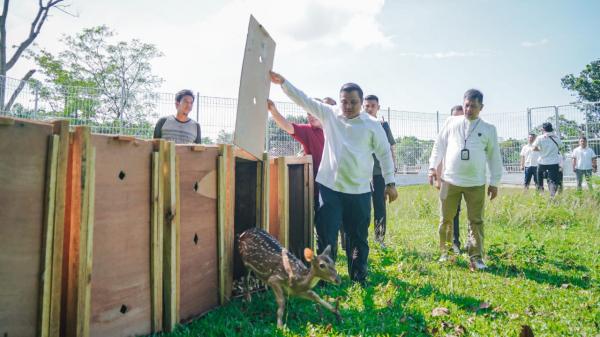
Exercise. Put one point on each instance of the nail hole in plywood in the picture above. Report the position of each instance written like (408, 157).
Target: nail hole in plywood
(196, 187)
(259, 58)
(254, 100)
(195, 238)
(121, 175)
(123, 309)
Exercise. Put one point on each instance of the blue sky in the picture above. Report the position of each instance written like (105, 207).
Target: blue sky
(415, 55)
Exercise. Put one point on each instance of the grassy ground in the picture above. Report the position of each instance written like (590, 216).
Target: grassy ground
(544, 259)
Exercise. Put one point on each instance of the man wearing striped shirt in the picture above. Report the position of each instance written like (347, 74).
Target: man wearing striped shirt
(465, 144)
(180, 128)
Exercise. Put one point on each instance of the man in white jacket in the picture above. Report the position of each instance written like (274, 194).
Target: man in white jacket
(351, 139)
(465, 144)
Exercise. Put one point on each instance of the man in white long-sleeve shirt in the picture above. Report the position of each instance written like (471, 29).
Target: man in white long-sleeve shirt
(466, 144)
(351, 137)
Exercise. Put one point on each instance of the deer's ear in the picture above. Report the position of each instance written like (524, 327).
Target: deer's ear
(327, 251)
(308, 254)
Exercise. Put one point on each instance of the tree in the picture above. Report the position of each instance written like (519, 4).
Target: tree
(224, 137)
(412, 151)
(586, 87)
(6, 63)
(118, 80)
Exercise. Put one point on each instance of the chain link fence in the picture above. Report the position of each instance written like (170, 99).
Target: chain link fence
(415, 132)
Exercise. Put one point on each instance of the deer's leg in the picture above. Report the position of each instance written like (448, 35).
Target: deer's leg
(248, 292)
(279, 297)
(311, 295)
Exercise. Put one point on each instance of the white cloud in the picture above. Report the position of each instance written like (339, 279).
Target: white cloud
(444, 55)
(529, 44)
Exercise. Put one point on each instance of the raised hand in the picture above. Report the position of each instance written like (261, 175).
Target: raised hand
(276, 78)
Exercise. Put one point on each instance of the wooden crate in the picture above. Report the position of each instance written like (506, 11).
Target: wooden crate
(291, 203)
(199, 272)
(113, 274)
(243, 194)
(33, 168)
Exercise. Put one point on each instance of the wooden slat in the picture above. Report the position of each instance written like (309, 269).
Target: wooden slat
(170, 238)
(225, 218)
(311, 204)
(264, 201)
(283, 200)
(61, 128)
(86, 240)
(156, 246)
(273, 224)
(46, 279)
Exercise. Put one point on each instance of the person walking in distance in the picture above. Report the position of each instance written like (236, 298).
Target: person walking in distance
(584, 163)
(529, 161)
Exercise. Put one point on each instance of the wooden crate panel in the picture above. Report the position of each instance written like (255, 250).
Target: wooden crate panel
(199, 275)
(23, 158)
(120, 287)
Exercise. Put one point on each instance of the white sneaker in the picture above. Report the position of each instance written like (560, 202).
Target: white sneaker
(478, 265)
(444, 258)
(456, 249)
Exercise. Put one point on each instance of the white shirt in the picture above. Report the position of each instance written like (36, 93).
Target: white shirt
(482, 143)
(583, 158)
(347, 162)
(549, 152)
(531, 157)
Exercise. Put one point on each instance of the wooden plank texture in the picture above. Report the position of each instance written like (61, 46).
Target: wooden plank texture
(120, 282)
(23, 149)
(199, 281)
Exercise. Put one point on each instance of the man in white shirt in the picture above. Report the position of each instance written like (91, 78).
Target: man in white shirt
(466, 144)
(548, 145)
(584, 162)
(351, 138)
(529, 161)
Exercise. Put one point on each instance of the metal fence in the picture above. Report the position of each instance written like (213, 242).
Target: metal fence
(414, 131)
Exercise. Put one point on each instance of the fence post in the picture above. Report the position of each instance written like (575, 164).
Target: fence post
(389, 114)
(557, 120)
(587, 111)
(437, 121)
(198, 107)
(528, 120)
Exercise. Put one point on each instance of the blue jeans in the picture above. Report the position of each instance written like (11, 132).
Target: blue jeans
(530, 171)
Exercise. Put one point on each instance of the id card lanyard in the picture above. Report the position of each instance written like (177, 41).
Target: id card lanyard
(464, 153)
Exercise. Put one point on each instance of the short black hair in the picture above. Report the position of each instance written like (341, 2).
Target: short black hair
(474, 94)
(547, 127)
(350, 87)
(372, 98)
(533, 134)
(456, 108)
(185, 92)
(583, 137)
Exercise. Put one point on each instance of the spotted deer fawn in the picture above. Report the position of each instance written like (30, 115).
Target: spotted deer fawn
(284, 272)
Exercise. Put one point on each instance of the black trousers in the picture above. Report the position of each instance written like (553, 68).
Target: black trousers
(553, 177)
(354, 212)
(378, 191)
(530, 171)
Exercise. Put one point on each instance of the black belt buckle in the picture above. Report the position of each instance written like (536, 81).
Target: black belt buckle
(464, 154)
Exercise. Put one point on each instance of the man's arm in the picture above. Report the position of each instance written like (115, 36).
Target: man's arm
(283, 123)
(158, 128)
(437, 153)
(392, 141)
(393, 148)
(574, 161)
(383, 153)
(198, 134)
(317, 109)
(522, 163)
(494, 160)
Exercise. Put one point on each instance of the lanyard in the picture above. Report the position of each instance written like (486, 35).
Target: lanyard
(470, 133)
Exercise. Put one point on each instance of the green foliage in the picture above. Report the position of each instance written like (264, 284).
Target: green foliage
(413, 151)
(543, 272)
(95, 79)
(586, 87)
(510, 150)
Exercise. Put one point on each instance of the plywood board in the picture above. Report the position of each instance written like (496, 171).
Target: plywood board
(255, 83)
(23, 149)
(199, 283)
(120, 282)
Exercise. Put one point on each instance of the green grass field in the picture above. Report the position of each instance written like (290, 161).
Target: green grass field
(544, 272)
